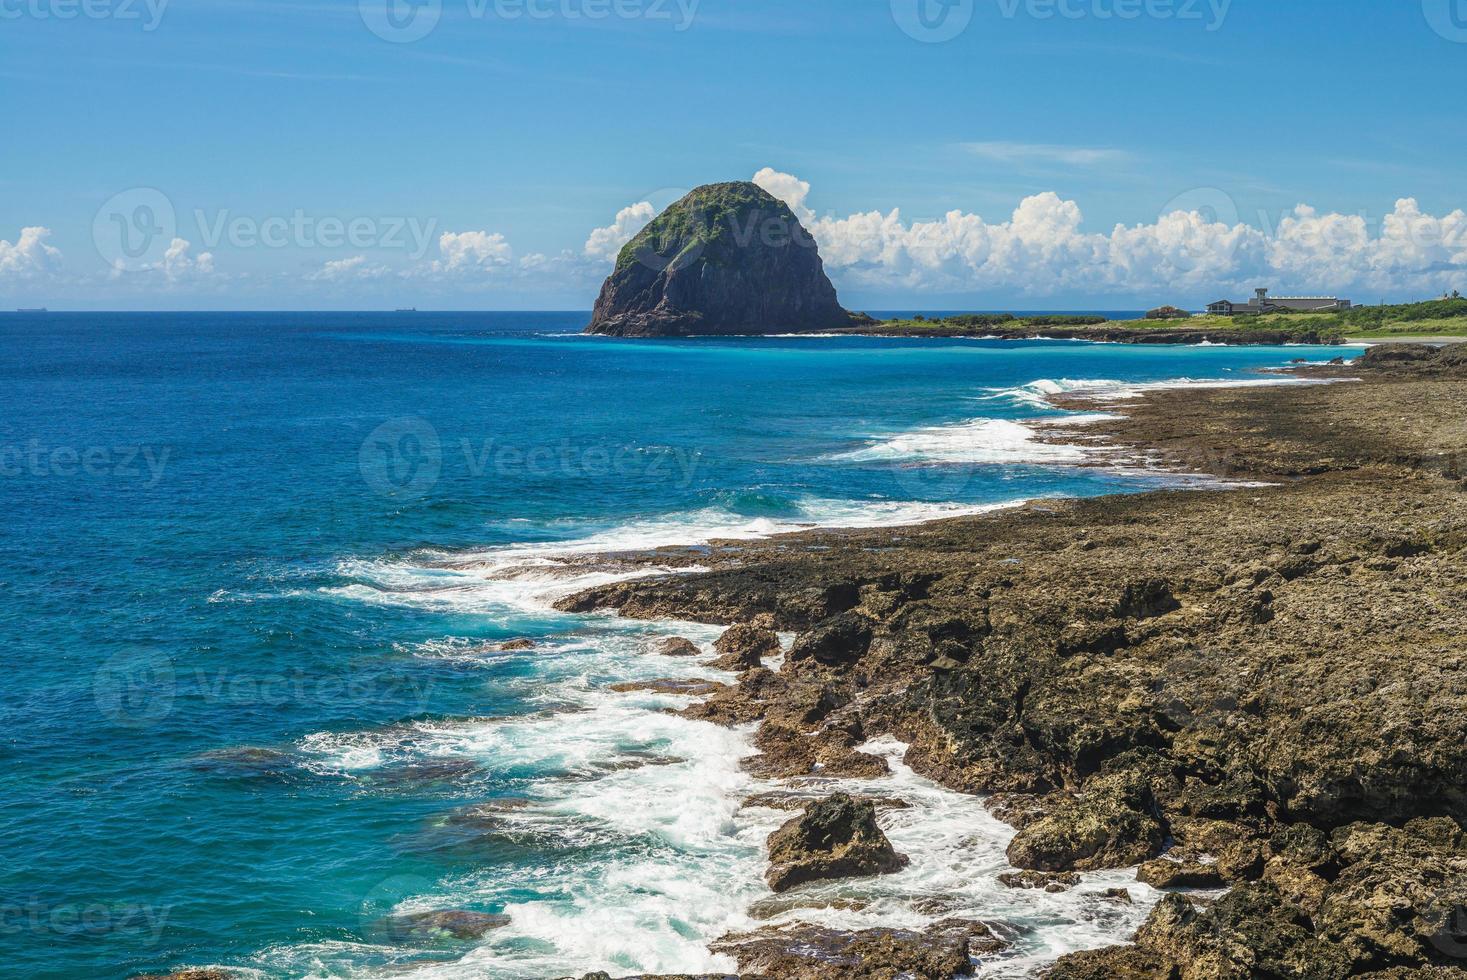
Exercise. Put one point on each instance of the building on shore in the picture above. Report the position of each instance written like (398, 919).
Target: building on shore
(1264, 303)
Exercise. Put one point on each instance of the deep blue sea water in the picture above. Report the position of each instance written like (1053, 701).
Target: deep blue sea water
(255, 566)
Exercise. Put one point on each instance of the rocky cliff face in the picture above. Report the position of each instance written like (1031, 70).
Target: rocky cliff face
(726, 259)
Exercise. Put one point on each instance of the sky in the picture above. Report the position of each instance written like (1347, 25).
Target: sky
(946, 154)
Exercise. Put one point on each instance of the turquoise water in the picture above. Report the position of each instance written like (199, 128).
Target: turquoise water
(255, 565)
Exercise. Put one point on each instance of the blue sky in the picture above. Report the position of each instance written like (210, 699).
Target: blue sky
(519, 126)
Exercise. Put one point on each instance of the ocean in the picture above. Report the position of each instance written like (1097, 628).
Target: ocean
(258, 567)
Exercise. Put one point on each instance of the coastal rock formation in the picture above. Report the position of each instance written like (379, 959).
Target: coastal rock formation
(834, 838)
(1271, 676)
(444, 923)
(1167, 313)
(678, 646)
(743, 647)
(1114, 825)
(807, 952)
(726, 259)
(1165, 873)
(1053, 882)
(1419, 359)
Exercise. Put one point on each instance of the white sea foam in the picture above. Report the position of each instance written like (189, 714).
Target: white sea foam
(646, 854)
(653, 863)
(642, 805)
(991, 440)
(504, 584)
(957, 850)
(975, 441)
(1038, 394)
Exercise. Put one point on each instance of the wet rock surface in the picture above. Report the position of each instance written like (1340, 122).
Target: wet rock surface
(806, 952)
(1268, 679)
(458, 924)
(1050, 881)
(678, 646)
(744, 646)
(669, 685)
(1164, 873)
(836, 837)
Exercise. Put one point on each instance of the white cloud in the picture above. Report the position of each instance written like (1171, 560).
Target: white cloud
(178, 265)
(1047, 153)
(604, 244)
(353, 269)
(30, 257)
(472, 253)
(1042, 249)
(789, 189)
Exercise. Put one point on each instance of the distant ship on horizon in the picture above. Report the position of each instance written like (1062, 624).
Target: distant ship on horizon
(38, 309)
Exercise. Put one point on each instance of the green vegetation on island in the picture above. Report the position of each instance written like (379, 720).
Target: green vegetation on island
(1441, 318)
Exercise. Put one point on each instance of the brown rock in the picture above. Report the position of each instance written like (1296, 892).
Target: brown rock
(666, 685)
(679, 646)
(743, 647)
(446, 923)
(1050, 881)
(806, 952)
(786, 752)
(1111, 826)
(1112, 963)
(1165, 873)
(835, 838)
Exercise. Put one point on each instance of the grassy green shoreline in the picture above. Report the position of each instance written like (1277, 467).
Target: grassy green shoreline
(1444, 319)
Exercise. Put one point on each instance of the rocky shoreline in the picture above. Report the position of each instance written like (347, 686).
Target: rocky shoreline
(1258, 688)
(1255, 696)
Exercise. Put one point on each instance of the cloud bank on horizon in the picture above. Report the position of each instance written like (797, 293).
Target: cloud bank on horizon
(1041, 249)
